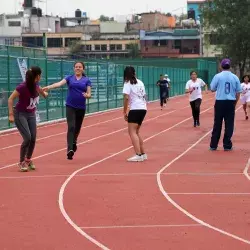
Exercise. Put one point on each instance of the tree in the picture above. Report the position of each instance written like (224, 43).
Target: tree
(106, 18)
(229, 20)
(133, 50)
(75, 47)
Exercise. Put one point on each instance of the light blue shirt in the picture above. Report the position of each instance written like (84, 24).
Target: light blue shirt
(227, 85)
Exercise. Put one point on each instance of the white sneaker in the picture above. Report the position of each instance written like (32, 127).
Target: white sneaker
(136, 158)
(145, 157)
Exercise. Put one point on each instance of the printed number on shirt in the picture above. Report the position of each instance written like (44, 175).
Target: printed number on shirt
(33, 102)
(227, 88)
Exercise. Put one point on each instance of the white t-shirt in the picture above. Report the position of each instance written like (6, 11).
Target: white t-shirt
(137, 95)
(245, 91)
(197, 85)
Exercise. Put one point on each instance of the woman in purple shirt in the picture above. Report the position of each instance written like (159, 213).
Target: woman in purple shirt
(79, 89)
(24, 114)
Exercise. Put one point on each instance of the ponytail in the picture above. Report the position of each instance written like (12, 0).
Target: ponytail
(30, 79)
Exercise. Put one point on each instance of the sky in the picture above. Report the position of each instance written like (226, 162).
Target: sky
(95, 8)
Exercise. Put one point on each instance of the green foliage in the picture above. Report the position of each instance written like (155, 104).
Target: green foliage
(106, 18)
(75, 47)
(230, 21)
(134, 50)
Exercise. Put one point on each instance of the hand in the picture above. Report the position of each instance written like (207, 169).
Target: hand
(46, 89)
(11, 118)
(46, 93)
(86, 95)
(126, 117)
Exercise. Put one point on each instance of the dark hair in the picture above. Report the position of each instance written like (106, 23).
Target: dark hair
(193, 72)
(30, 78)
(129, 75)
(243, 78)
(83, 65)
(227, 66)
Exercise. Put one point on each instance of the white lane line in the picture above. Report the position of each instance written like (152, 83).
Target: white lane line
(143, 226)
(181, 209)
(102, 136)
(209, 193)
(84, 127)
(13, 131)
(246, 170)
(90, 140)
(61, 121)
(62, 133)
(115, 175)
(63, 187)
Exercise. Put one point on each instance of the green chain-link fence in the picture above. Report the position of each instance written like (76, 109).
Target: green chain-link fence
(107, 84)
(22, 51)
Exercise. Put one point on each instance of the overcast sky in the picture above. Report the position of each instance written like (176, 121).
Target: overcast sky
(95, 8)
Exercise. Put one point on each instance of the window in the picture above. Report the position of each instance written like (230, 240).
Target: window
(14, 24)
(112, 47)
(177, 44)
(54, 42)
(128, 46)
(119, 47)
(87, 47)
(97, 47)
(104, 47)
(160, 43)
(9, 41)
(32, 41)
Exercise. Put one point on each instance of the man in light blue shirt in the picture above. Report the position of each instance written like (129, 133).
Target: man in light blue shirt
(228, 88)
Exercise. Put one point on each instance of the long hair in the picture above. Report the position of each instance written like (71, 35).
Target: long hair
(30, 78)
(83, 65)
(243, 78)
(129, 75)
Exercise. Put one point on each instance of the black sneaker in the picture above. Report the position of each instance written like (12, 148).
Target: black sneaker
(74, 147)
(195, 124)
(198, 124)
(70, 155)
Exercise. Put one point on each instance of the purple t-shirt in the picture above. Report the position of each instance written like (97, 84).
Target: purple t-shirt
(76, 88)
(26, 102)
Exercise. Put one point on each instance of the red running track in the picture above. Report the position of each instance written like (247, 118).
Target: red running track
(183, 197)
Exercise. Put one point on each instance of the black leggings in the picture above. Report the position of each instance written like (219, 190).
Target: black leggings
(163, 97)
(195, 106)
(74, 119)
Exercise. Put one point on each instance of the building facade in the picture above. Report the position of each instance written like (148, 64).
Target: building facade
(11, 29)
(178, 43)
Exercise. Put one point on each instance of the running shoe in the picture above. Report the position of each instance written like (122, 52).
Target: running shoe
(30, 165)
(23, 166)
(136, 158)
(70, 155)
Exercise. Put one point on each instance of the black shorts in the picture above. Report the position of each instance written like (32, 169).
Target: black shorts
(137, 116)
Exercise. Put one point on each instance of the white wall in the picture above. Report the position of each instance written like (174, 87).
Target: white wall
(112, 27)
(9, 31)
(39, 24)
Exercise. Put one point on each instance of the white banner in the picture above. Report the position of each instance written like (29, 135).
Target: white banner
(22, 63)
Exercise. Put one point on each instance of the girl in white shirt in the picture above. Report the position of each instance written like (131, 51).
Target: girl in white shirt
(134, 98)
(194, 88)
(245, 95)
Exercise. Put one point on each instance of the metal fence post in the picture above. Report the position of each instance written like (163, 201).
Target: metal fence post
(98, 89)
(62, 89)
(8, 81)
